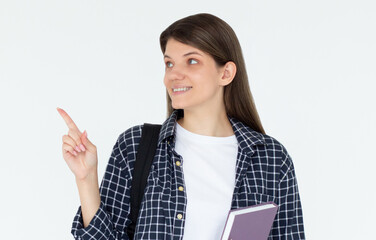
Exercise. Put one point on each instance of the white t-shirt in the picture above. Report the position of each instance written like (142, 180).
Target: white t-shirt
(209, 165)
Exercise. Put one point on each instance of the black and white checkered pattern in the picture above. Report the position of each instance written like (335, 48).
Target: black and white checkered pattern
(264, 172)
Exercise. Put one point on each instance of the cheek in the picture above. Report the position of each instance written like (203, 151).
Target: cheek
(165, 82)
(206, 80)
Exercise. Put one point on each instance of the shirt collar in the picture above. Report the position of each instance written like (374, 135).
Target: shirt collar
(246, 136)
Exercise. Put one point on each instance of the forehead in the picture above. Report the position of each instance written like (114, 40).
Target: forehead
(175, 48)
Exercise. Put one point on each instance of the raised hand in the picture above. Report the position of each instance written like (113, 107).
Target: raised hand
(78, 152)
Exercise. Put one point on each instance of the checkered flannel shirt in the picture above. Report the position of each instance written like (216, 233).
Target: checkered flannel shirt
(264, 172)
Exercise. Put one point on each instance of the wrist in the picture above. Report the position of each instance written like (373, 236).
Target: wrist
(88, 188)
(90, 177)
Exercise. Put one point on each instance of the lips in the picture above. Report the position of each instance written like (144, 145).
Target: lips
(180, 91)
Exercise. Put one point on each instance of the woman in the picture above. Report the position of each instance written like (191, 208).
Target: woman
(212, 155)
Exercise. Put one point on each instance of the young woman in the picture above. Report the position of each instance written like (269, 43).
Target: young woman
(212, 154)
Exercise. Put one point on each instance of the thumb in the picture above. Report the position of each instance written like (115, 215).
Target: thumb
(86, 141)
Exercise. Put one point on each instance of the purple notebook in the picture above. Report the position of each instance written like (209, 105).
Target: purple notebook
(250, 223)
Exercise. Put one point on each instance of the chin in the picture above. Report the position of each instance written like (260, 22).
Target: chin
(179, 105)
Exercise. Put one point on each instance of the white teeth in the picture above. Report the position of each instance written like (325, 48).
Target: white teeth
(181, 89)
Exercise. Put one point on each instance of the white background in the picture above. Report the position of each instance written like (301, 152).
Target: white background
(311, 66)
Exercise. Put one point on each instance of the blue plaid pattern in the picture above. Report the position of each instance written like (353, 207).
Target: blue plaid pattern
(264, 172)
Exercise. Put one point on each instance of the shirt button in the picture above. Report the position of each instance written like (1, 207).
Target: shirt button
(178, 163)
(181, 188)
(180, 216)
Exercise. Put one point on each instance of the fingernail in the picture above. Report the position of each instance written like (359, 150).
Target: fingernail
(74, 152)
(82, 147)
(78, 150)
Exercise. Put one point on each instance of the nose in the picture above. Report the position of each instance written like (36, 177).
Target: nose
(176, 73)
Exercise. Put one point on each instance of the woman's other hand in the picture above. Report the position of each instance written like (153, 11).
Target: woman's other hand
(78, 152)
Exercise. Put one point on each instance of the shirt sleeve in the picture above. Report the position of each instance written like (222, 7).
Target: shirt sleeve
(111, 219)
(289, 219)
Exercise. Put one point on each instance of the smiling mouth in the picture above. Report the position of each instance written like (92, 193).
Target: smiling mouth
(184, 89)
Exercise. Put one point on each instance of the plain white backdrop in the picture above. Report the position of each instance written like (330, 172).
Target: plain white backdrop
(311, 66)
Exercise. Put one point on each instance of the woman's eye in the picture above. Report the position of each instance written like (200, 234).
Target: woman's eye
(192, 61)
(169, 64)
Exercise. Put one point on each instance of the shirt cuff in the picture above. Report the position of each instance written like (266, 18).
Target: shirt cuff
(98, 227)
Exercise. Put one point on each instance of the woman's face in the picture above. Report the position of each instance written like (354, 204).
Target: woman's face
(192, 77)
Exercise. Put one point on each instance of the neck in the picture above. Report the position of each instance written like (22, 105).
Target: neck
(213, 122)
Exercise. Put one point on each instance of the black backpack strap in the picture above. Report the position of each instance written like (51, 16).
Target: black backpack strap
(144, 159)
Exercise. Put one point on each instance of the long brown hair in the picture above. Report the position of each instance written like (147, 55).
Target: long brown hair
(215, 37)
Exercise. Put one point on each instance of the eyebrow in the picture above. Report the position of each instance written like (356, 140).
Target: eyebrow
(187, 54)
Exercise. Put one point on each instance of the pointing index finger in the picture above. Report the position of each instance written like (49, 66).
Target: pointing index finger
(71, 125)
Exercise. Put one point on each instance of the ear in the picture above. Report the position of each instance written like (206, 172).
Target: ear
(228, 73)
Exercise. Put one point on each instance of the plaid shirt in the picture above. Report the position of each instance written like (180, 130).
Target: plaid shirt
(264, 172)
